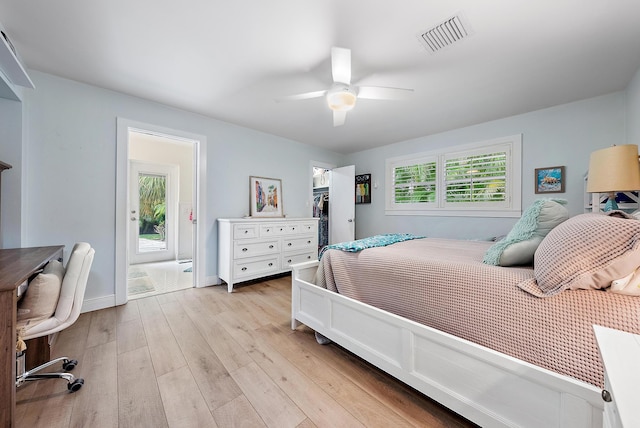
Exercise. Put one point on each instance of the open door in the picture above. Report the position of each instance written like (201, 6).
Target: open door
(342, 208)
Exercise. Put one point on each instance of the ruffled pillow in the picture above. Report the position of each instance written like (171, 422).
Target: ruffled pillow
(519, 246)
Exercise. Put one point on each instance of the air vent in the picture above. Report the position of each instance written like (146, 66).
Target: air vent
(445, 34)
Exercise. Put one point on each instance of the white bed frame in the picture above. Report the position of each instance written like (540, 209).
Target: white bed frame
(485, 386)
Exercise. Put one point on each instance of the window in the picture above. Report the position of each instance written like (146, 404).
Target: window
(481, 179)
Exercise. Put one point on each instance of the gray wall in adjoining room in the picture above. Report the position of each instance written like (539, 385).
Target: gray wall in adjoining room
(561, 135)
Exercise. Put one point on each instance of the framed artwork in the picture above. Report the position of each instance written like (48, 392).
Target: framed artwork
(550, 179)
(266, 197)
(363, 189)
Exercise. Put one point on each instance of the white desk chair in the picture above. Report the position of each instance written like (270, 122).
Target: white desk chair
(67, 311)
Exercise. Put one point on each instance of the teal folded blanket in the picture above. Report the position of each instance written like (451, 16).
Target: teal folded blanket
(370, 242)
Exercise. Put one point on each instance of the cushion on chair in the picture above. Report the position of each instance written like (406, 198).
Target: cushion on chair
(55, 267)
(71, 297)
(40, 300)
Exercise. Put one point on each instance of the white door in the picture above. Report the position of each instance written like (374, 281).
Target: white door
(342, 208)
(153, 213)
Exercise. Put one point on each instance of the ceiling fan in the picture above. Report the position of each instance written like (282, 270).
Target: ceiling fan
(342, 95)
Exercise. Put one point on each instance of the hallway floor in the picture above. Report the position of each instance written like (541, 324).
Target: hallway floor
(150, 279)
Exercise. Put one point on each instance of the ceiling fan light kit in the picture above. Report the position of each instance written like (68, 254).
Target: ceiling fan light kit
(341, 97)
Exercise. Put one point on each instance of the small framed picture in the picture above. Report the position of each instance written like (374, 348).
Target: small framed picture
(550, 179)
(363, 189)
(265, 197)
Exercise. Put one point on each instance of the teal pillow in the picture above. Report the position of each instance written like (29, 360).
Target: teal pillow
(519, 246)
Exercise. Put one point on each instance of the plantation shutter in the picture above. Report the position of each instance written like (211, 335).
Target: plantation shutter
(476, 178)
(415, 183)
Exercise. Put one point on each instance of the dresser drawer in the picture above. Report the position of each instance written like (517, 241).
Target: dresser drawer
(269, 230)
(245, 231)
(263, 266)
(255, 248)
(292, 259)
(294, 244)
(310, 228)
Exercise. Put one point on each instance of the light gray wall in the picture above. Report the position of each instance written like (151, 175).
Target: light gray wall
(11, 153)
(70, 165)
(633, 110)
(562, 135)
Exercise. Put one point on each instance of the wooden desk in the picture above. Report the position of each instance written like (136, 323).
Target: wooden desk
(16, 266)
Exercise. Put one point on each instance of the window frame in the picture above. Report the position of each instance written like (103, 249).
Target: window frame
(511, 207)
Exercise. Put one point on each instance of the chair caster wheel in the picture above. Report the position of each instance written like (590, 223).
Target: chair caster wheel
(69, 365)
(75, 385)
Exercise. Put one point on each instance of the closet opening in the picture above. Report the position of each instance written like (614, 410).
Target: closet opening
(321, 177)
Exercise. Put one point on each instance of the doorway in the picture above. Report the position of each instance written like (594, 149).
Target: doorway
(160, 180)
(160, 201)
(333, 202)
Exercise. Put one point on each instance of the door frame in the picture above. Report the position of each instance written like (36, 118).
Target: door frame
(171, 172)
(123, 126)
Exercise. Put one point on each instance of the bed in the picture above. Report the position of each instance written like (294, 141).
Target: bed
(502, 346)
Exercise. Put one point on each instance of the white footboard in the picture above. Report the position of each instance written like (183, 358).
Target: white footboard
(485, 386)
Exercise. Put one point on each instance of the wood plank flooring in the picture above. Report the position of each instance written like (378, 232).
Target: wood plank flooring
(207, 358)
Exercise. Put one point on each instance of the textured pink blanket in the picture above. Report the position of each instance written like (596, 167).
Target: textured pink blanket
(444, 284)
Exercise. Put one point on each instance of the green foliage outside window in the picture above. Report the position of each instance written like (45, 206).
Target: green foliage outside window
(415, 183)
(479, 178)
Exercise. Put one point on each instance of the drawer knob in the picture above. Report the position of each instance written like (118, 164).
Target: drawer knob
(606, 395)
(289, 261)
(293, 228)
(244, 268)
(308, 257)
(246, 231)
(281, 229)
(268, 230)
(289, 244)
(270, 264)
(308, 242)
(270, 246)
(245, 249)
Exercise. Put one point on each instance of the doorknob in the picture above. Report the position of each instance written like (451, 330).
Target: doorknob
(350, 220)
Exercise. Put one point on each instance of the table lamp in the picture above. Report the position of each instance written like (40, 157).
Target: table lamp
(614, 169)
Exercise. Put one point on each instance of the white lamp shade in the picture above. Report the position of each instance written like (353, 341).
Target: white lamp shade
(614, 169)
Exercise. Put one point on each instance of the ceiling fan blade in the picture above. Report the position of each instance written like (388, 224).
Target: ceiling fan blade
(304, 96)
(383, 93)
(339, 118)
(341, 65)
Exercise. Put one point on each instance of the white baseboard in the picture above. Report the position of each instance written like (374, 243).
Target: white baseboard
(212, 280)
(90, 305)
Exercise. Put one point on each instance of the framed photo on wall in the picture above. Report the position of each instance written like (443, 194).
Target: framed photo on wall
(265, 197)
(550, 179)
(363, 189)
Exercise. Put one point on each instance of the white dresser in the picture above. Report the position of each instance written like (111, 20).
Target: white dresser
(250, 248)
(621, 356)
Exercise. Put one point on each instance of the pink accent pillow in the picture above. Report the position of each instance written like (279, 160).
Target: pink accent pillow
(587, 251)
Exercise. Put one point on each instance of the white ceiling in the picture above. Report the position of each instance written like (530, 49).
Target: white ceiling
(231, 59)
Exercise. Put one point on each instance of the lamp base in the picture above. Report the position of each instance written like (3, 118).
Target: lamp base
(611, 204)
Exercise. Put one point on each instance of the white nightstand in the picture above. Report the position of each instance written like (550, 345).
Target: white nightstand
(621, 356)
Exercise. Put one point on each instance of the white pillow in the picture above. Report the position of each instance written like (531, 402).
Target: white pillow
(629, 285)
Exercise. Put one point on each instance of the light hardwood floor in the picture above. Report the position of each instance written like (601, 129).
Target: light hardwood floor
(207, 358)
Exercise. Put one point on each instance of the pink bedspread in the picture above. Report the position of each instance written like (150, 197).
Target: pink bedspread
(444, 284)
